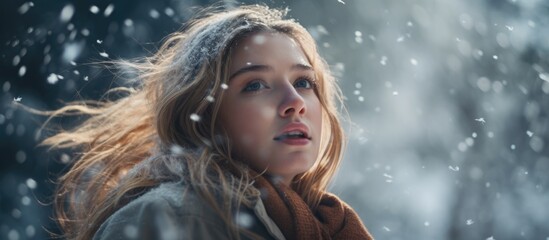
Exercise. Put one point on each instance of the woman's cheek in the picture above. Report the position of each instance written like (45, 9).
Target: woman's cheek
(268, 112)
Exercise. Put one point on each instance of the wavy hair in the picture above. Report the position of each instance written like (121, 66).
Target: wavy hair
(167, 127)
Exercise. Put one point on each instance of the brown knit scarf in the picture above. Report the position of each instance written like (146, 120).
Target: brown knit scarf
(333, 219)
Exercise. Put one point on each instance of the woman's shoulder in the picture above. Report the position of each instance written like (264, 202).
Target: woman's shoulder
(175, 194)
(168, 211)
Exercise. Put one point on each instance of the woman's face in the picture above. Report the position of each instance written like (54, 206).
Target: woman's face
(270, 110)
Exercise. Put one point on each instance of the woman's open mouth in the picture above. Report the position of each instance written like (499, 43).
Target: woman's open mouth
(293, 138)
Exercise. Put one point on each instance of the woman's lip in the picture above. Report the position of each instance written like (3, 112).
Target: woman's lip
(280, 138)
(295, 141)
(295, 126)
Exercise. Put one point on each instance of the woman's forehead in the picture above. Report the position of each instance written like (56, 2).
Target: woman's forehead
(266, 48)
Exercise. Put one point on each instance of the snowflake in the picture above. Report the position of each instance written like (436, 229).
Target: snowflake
(481, 120)
(195, 117)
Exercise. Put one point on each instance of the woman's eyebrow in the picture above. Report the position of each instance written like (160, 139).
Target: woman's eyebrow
(303, 67)
(251, 68)
(263, 68)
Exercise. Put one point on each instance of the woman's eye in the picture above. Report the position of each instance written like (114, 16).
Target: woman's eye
(303, 83)
(254, 86)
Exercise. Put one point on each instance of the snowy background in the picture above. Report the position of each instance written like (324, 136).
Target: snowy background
(449, 102)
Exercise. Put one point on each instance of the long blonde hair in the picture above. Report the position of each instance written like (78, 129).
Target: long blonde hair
(166, 129)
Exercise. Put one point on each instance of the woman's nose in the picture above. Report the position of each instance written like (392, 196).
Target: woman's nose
(292, 103)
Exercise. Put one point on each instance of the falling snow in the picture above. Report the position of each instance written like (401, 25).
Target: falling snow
(481, 120)
(169, 12)
(16, 60)
(195, 117)
(383, 60)
(130, 231)
(128, 22)
(53, 78)
(413, 61)
(154, 13)
(544, 76)
(108, 10)
(25, 7)
(419, 86)
(244, 220)
(94, 9)
(31, 183)
(22, 71)
(176, 149)
(66, 13)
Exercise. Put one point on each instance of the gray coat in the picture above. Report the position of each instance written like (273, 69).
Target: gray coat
(171, 211)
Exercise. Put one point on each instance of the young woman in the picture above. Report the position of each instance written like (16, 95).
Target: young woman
(233, 133)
